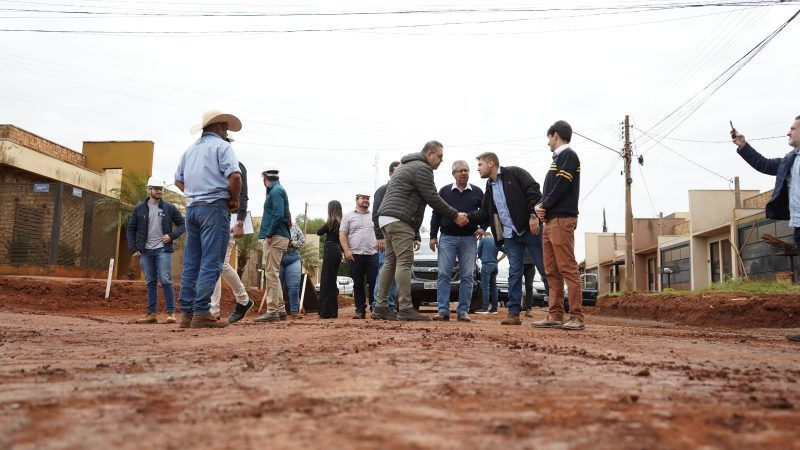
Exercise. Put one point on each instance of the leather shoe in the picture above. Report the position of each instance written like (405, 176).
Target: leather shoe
(441, 317)
(511, 319)
(411, 315)
(383, 313)
(268, 317)
(206, 321)
(240, 311)
(464, 318)
(186, 320)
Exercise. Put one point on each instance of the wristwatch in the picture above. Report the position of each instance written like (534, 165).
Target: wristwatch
(240, 223)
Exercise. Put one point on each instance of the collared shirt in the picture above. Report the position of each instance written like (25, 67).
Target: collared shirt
(499, 196)
(358, 227)
(794, 191)
(204, 169)
(560, 149)
(455, 188)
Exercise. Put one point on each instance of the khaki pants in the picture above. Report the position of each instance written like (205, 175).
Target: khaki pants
(273, 252)
(558, 249)
(399, 255)
(232, 279)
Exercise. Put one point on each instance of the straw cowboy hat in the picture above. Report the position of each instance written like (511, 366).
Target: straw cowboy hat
(212, 117)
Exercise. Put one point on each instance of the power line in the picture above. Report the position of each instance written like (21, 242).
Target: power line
(602, 145)
(606, 11)
(710, 89)
(729, 180)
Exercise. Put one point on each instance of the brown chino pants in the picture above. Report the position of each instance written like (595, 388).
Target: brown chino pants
(558, 249)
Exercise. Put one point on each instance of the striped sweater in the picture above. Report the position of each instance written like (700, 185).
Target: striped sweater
(562, 185)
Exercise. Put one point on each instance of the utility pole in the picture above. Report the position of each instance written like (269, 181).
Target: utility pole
(629, 283)
(305, 219)
(605, 228)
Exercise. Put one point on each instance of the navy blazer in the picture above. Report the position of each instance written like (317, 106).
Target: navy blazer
(140, 219)
(778, 206)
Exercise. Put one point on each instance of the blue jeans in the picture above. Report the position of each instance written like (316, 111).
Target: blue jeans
(515, 249)
(392, 292)
(207, 236)
(465, 248)
(489, 285)
(290, 277)
(157, 266)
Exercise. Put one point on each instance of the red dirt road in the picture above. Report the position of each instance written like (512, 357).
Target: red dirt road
(77, 374)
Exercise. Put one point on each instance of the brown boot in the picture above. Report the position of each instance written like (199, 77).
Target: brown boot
(170, 318)
(150, 318)
(206, 321)
(511, 319)
(186, 320)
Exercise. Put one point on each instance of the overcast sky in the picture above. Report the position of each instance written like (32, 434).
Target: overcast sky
(325, 106)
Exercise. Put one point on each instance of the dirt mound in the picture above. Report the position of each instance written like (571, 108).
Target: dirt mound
(84, 296)
(716, 310)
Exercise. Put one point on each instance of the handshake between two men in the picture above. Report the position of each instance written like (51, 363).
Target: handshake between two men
(462, 220)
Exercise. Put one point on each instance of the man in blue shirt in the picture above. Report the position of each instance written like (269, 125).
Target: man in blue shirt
(275, 224)
(511, 195)
(208, 173)
(785, 201)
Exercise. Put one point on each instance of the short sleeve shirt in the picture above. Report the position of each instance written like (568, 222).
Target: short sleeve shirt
(204, 169)
(360, 232)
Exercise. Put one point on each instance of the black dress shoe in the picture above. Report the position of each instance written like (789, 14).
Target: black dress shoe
(441, 317)
(464, 318)
(240, 311)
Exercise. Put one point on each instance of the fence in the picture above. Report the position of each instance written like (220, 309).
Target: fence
(55, 229)
(757, 257)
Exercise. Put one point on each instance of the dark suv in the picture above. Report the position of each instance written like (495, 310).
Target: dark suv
(424, 272)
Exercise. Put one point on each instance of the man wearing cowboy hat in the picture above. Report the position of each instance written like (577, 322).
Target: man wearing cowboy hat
(208, 173)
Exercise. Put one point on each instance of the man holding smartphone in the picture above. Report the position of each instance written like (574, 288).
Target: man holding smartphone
(785, 201)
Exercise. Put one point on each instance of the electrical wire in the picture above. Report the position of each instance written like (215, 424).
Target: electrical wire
(729, 180)
(686, 111)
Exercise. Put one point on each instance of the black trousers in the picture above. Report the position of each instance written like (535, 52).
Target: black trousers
(364, 266)
(528, 272)
(328, 286)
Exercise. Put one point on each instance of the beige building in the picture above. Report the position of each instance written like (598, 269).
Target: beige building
(51, 216)
(693, 249)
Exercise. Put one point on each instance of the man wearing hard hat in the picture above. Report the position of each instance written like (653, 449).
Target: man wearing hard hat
(360, 248)
(150, 237)
(208, 173)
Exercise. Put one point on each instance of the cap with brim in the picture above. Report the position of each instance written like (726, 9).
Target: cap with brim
(212, 117)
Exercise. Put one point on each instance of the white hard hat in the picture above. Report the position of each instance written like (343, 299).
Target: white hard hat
(363, 192)
(155, 182)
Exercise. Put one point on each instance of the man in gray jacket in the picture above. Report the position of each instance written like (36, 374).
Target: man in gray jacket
(410, 189)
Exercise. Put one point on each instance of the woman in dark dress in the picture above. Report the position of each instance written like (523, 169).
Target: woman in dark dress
(328, 287)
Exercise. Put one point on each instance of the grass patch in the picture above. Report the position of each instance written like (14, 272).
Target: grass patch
(736, 286)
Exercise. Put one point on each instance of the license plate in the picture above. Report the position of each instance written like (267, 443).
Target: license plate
(429, 285)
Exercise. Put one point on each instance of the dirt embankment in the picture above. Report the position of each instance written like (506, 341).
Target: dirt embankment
(81, 296)
(709, 310)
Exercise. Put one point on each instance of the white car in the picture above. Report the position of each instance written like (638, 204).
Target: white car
(345, 285)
